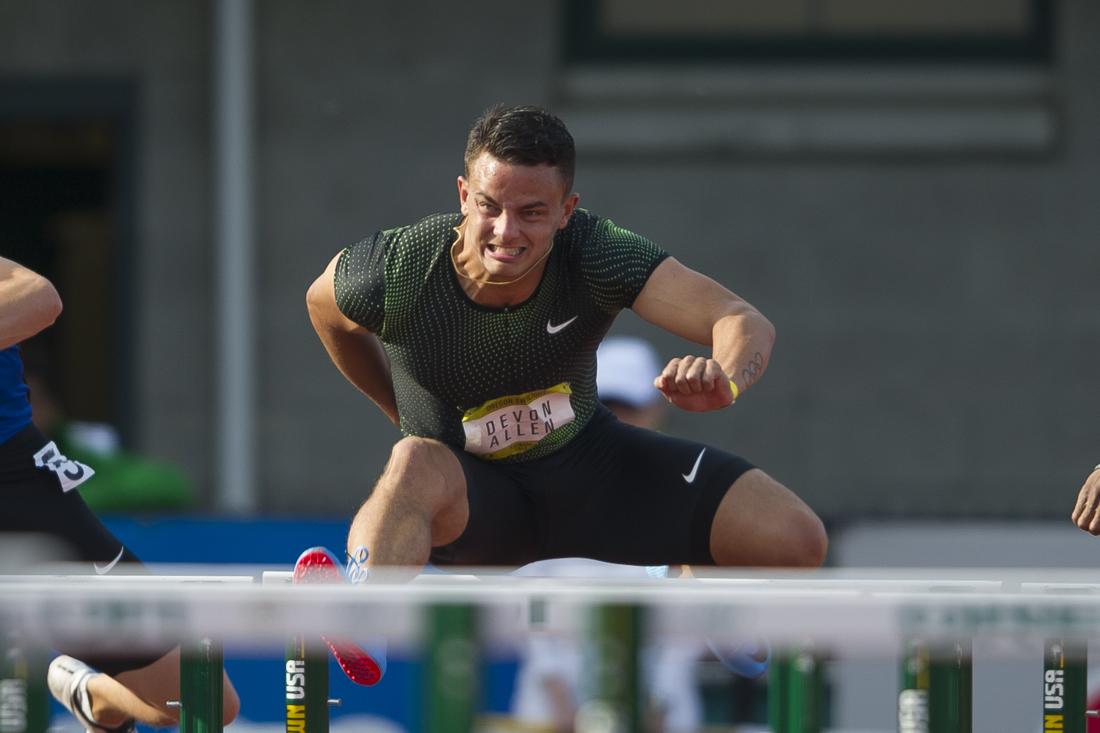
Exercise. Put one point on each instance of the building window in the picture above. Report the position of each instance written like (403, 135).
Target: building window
(613, 31)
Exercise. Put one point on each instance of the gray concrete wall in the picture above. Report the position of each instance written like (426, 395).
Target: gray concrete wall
(937, 314)
(165, 48)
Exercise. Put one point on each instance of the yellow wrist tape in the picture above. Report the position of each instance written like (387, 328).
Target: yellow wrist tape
(733, 388)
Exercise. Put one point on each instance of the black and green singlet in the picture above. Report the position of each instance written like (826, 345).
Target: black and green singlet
(509, 384)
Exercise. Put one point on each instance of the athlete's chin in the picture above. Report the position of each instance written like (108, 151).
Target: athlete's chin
(495, 271)
(504, 270)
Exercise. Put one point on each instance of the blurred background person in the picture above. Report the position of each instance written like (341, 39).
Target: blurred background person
(626, 366)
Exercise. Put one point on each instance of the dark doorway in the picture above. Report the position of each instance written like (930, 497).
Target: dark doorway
(66, 203)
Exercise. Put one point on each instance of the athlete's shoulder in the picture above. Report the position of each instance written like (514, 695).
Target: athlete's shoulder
(431, 229)
(582, 225)
(398, 260)
(580, 235)
(420, 238)
(614, 261)
(591, 236)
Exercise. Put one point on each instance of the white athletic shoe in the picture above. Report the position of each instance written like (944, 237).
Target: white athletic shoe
(67, 679)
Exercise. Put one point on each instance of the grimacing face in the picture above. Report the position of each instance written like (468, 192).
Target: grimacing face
(512, 213)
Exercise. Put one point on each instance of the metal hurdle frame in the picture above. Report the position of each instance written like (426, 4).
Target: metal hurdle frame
(450, 676)
(932, 625)
(935, 680)
(306, 684)
(306, 676)
(1065, 668)
(24, 699)
(201, 670)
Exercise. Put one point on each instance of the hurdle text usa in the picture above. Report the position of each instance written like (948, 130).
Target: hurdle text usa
(1053, 690)
(295, 690)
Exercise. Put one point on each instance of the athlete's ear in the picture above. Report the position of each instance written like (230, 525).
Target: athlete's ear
(463, 194)
(571, 202)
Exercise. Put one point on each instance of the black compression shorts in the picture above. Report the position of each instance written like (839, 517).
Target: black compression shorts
(33, 502)
(616, 493)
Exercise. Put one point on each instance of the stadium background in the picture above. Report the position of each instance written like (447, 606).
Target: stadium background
(907, 189)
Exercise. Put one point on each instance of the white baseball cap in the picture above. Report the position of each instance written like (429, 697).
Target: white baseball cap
(626, 368)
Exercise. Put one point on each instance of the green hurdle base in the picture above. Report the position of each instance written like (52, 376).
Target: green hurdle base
(201, 673)
(936, 688)
(1064, 686)
(796, 693)
(613, 701)
(306, 680)
(452, 684)
(24, 699)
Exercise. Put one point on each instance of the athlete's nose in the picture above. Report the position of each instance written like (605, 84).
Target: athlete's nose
(505, 228)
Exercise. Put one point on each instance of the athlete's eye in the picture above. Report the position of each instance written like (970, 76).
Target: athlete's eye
(487, 207)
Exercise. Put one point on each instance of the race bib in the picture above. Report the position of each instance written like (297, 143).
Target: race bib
(509, 425)
(70, 473)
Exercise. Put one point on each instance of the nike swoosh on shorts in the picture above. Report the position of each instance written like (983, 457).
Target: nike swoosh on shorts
(107, 568)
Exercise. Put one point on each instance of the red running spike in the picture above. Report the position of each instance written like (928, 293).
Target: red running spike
(319, 565)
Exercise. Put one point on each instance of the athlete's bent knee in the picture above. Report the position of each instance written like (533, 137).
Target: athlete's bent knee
(413, 451)
(423, 471)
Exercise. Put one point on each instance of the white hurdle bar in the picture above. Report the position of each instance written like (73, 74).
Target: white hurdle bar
(802, 616)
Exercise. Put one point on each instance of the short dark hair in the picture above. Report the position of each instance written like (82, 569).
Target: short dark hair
(524, 135)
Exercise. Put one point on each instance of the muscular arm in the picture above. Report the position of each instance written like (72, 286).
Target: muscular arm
(28, 303)
(355, 351)
(696, 308)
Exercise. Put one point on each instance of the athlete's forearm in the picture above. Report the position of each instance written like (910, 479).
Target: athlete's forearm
(28, 303)
(361, 359)
(355, 351)
(742, 344)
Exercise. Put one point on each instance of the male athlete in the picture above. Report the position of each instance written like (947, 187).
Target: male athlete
(476, 334)
(38, 485)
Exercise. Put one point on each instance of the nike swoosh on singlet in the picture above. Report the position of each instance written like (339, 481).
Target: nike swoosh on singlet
(107, 568)
(551, 328)
(690, 477)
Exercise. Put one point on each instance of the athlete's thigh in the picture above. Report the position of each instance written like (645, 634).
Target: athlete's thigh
(35, 501)
(501, 528)
(641, 497)
(760, 522)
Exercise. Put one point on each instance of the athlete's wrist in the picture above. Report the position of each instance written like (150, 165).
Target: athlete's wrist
(733, 388)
